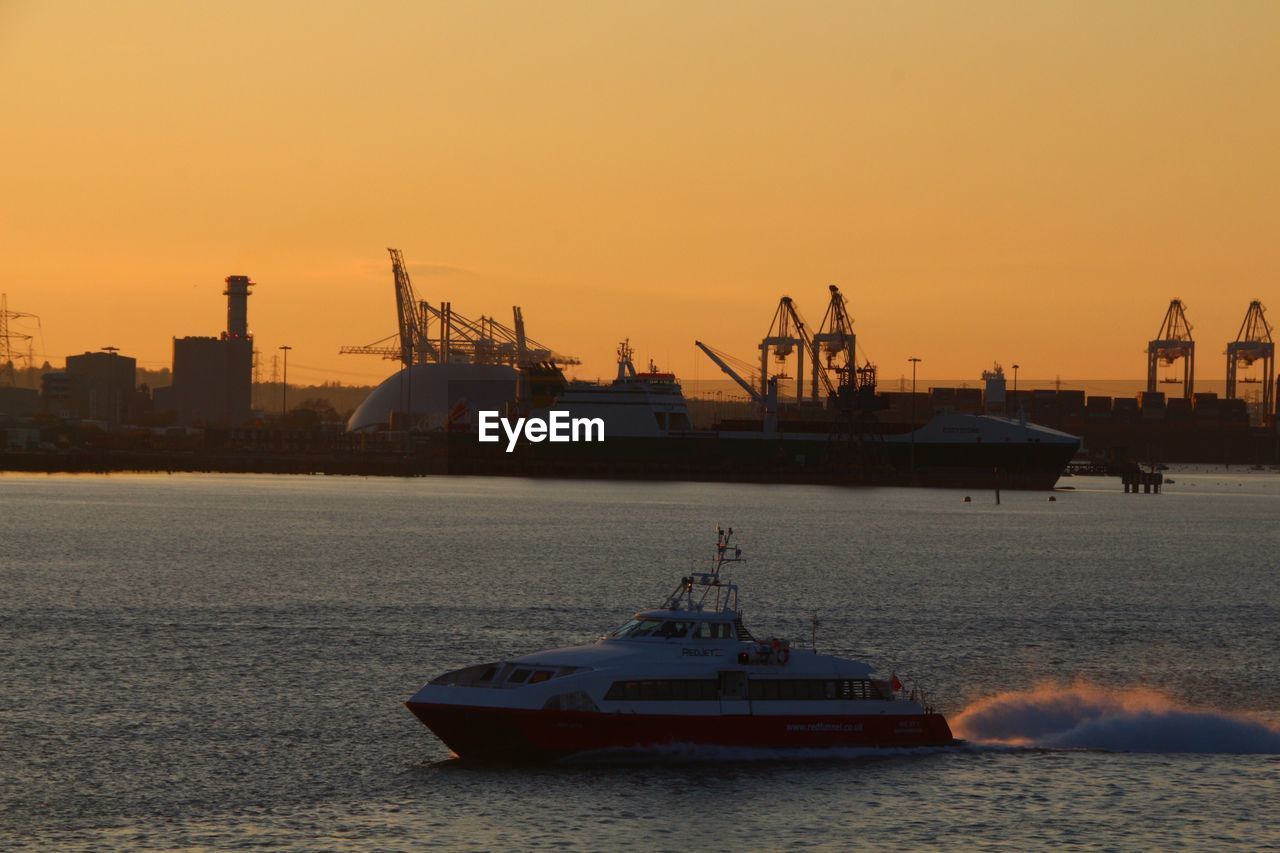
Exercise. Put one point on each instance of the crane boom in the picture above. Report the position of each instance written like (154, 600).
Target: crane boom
(406, 308)
(730, 372)
(522, 343)
(768, 401)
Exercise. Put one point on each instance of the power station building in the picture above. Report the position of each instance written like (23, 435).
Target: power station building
(213, 377)
(100, 386)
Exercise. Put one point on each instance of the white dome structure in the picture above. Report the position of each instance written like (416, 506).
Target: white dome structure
(435, 394)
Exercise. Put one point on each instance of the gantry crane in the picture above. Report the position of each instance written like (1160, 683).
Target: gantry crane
(410, 343)
(839, 351)
(1171, 343)
(481, 341)
(1253, 343)
(789, 331)
(786, 335)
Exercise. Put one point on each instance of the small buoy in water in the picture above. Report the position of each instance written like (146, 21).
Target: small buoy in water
(967, 499)
(1053, 497)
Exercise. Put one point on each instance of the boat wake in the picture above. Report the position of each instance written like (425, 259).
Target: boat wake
(1087, 716)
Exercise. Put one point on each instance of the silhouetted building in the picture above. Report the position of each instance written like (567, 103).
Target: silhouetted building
(55, 394)
(18, 402)
(213, 377)
(100, 386)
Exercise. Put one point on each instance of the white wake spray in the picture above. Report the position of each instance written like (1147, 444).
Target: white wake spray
(1086, 716)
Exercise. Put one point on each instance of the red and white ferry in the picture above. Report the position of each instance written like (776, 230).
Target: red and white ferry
(687, 673)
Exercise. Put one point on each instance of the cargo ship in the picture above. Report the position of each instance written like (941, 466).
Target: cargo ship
(648, 435)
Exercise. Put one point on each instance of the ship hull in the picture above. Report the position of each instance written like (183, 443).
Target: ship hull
(510, 734)
(719, 458)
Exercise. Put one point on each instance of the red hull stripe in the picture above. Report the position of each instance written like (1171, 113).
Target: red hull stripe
(474, 732)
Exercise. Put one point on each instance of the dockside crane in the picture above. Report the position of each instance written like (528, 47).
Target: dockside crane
(480, 341)
(786, 335)
(413, 328)
(1171, 343)
(839, 349)
(767, 399)
(813, 345)
(410, 343)
(832, 351)
(1253, 343)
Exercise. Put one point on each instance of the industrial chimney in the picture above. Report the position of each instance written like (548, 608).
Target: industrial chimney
(237, 294)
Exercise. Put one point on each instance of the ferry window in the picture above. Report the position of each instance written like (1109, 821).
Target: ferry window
(518, 677)
(488, 673)
(804, 688)
(625, 629)
(539, 676)
(673, 629)
(854, 689)
(663, 690)
(722, 631)
(644, 628)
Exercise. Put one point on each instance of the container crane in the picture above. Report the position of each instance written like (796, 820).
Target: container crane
(1171, 343)
(1253, 343)
(786, 335)
(411, 321)
(481, 341)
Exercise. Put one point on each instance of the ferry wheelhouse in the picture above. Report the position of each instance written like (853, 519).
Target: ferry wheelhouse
(689, 672)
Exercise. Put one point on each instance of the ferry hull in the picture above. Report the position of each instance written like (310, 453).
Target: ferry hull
(520, 734)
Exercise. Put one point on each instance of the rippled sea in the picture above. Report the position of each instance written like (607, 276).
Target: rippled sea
(206, 660)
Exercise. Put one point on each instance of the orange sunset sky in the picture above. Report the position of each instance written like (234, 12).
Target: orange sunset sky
(1017, 181)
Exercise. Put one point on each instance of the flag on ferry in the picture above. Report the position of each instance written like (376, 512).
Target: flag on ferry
(896, 684)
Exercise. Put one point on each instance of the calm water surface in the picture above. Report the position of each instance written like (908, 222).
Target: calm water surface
(222, 660)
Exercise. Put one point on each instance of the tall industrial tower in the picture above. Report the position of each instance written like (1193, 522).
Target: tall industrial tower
(237, 294)
(1171, 343)
(1253, 343)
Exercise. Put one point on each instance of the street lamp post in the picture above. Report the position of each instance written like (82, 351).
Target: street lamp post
(284, 389)
(914, 361)
(1015, 381)
(1015, 384)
